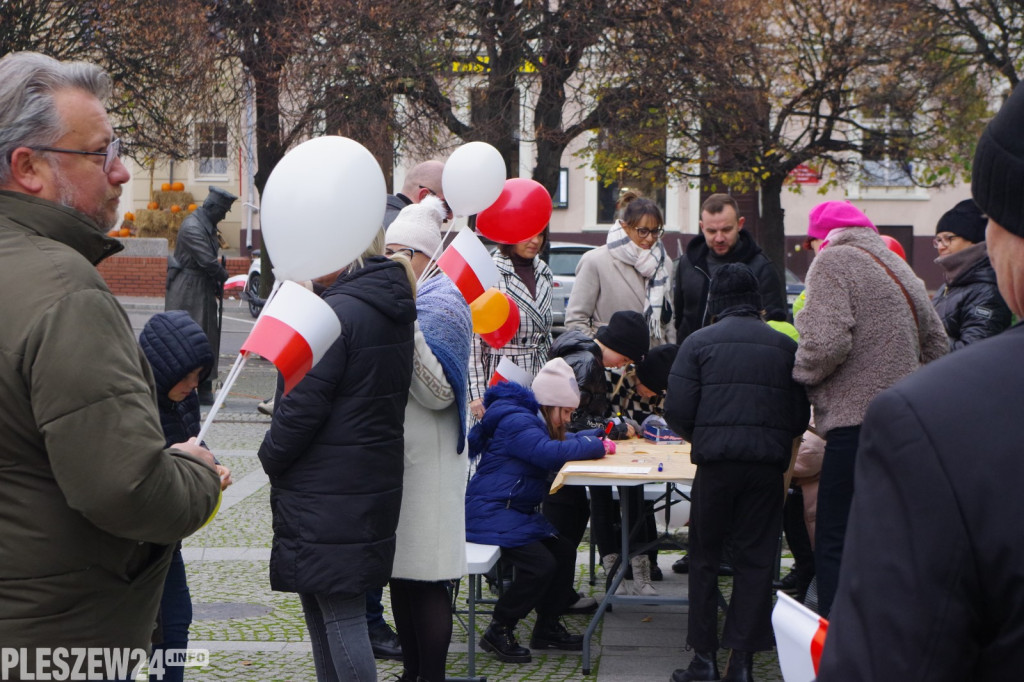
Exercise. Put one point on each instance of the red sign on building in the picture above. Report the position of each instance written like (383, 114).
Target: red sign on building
(804, 175)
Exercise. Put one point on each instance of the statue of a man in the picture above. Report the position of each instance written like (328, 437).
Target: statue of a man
(195, 275)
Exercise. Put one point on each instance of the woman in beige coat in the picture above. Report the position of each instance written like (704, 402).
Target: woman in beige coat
(630, 272)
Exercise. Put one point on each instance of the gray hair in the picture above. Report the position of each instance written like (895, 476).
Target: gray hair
(28, 113)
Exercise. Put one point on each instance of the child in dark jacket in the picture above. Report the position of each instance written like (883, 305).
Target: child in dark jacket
(731, 393)
(180, 355)
(520, 440)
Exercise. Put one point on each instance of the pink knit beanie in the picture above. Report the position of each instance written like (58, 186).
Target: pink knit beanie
(831, 215)
(555, 385)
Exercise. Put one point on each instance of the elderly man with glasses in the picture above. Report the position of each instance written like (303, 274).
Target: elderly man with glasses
(92, 502)
(968, 302)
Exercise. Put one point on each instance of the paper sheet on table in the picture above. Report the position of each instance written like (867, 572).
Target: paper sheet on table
(605, 469)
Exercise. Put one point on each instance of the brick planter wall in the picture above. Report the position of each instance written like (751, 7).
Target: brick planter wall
(141, 269)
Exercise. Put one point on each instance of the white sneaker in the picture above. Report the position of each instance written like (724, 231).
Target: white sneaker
(266, 407)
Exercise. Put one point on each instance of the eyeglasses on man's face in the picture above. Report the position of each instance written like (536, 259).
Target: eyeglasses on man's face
(944, 240)
(405, 251)
(110, 154)
(447, 208)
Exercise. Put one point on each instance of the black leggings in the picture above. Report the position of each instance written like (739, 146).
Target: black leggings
(423, 618)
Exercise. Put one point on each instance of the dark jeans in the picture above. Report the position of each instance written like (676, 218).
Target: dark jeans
(542, 570)
(741, 501)
(375, 608)
(175, 615)
(606, 521)
(835, 494)
(798, 539)
(340, 641)
(568, 510)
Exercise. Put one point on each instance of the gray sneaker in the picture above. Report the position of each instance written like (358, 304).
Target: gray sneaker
(266, 407)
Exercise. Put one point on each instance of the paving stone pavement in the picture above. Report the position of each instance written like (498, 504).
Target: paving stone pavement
(254, 633)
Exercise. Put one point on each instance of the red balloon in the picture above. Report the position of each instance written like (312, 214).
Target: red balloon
(522, 210)
(503, 334)
(894, 246)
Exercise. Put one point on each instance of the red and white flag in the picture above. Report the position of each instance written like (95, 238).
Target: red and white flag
(799, 637)
(468, 264)
(294, 331)
(510, 371)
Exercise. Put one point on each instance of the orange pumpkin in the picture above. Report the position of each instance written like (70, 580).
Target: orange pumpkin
(192, 207)
(114, 232)
(125, 232)
(175, 209)
(178, 187)
(165, 187)
(129, 216)
(152, 206)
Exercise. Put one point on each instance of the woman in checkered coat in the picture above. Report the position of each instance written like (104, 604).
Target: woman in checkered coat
(527, 280)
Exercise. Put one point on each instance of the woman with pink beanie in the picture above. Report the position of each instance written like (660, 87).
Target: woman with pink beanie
(868, 322)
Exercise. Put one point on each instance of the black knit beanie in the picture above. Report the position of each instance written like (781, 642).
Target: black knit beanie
(627, 334)
(653, 370)
(997, 177)
(733, 284)
(964, 220)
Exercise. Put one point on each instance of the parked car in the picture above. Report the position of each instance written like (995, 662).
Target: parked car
(794, 287)
(564, 258)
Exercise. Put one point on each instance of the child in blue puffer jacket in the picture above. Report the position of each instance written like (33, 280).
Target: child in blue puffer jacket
(520, 440)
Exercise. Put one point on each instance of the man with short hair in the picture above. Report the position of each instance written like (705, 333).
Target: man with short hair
(423, 180)
(722, 240)
(930, 587)
(92, 503)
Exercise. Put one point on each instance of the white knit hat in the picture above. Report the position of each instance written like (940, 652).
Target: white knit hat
(418, 226)
(555, 385)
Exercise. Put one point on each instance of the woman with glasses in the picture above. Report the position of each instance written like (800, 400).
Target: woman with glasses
(968, 302)
(630, 272)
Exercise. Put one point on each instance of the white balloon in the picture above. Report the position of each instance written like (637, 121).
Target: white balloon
(323, 204)
(473, 177)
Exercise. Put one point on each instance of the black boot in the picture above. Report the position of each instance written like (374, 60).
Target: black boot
(500, 640)
(703, 667)
(385, 643)
(740, 667)
(551, 634)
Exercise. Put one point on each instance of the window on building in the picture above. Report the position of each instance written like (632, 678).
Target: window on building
(212, 142)
(884, 160)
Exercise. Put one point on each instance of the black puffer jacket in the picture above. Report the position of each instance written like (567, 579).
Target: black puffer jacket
(175, 345)
(334, 452)
(970, 307)
(584, 356)
(690, 290)
(731, 392)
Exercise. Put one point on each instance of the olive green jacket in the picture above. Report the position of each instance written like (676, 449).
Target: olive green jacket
(91, 503)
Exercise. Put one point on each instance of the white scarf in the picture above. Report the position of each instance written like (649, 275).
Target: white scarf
(651, 264)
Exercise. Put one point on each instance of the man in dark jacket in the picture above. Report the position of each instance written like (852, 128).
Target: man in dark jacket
(968, 302)
(722, 239)
(422, 180)
(930, 586)
(732, 395)
(92, 501)
(195, 276)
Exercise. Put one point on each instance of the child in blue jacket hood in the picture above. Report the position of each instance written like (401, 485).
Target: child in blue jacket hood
(520, 440)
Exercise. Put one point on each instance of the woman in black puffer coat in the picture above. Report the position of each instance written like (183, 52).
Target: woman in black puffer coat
(334, 455)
